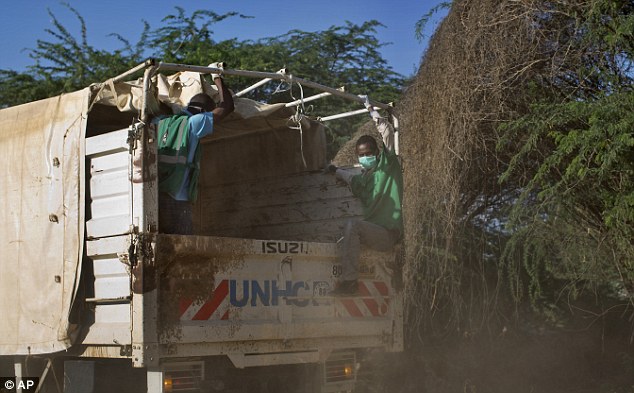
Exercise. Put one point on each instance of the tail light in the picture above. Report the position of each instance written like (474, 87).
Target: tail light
(183, 377)
(340, 371)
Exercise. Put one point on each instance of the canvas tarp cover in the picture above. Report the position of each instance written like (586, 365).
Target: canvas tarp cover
(41, 216)
(42, 201)
(175, 91)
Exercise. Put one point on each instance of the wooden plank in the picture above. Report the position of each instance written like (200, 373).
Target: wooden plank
(316, 231)
(270, 192)
(309, 206)
(266, 154)
(284, 213)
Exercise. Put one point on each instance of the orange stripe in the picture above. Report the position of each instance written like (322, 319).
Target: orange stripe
(352, 308)
(372, 306)
(363, 290)
(382, 288)
(183, 305)
(219, 294)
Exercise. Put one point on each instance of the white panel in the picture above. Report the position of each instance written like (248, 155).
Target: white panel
(112, 162)
(111, 287)
(112, 281)
(112, 314)
(109, 185)
(110, 333)
(110, 266)
(108, 247)
(273, 291)
(99, 144)
(115, 204)
(108, 226)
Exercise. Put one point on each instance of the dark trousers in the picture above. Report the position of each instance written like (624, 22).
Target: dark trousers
(356, 233)
(175, 217)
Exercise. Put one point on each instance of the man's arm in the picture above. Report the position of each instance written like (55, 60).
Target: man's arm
(382, 125)
(345, 175)
(342, 174)
(226, 105)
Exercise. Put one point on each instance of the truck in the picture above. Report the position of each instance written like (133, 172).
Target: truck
(95, 298)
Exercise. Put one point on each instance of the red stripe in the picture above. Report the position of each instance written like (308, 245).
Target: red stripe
(351, 307)
(225, 316)
(363, 290)
(183, 305)
(382, 288)
(219, 294)
(372, 306)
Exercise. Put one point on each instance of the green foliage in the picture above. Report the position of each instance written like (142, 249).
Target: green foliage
(339, 56)
(18, 88)
(188, 39)
(74, 62)
(66, 63)
(419, 28)
(574, 163)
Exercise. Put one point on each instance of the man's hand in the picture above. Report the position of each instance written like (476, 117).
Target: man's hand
(366, 102)
(330, 169)
(226, 105)
(219, 64)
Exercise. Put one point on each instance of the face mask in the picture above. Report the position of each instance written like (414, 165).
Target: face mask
(367, 162)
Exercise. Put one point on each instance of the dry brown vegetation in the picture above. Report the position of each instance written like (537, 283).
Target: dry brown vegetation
(466, 86)
(465, 330)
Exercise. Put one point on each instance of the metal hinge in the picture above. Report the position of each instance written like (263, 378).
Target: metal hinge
(125, 350)
(134, 134)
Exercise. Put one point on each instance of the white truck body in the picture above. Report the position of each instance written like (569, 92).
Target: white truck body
(93, 278)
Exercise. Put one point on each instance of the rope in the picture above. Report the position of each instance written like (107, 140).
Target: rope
(278, 89)
(297, 118)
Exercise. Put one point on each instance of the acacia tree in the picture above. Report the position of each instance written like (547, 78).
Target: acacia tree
(339, 56)
(573, 221)
(541, 204)
(66, 63)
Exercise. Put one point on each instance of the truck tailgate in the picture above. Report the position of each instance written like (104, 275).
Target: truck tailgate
(265, 295)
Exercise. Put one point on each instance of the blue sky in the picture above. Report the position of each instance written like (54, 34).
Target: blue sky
(24, 22)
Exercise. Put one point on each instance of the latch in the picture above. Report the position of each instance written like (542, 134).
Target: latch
(134, 134)
(133, 257)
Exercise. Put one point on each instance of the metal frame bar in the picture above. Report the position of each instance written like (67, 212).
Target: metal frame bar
(144, 334)
(311, 98)
(258, 84)
(272, 75)
(147, 80)
(145, 64)
(253, 87)
(49, 363)
(152, 67)
(345, 114)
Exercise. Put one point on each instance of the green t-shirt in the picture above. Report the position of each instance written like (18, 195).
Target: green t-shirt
(381, 192)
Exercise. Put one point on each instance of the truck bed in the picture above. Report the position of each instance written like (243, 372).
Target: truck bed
(220, 294)
(255, 279)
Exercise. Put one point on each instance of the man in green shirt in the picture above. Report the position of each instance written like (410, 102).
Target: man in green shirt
(179, 156)
(380, 189)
